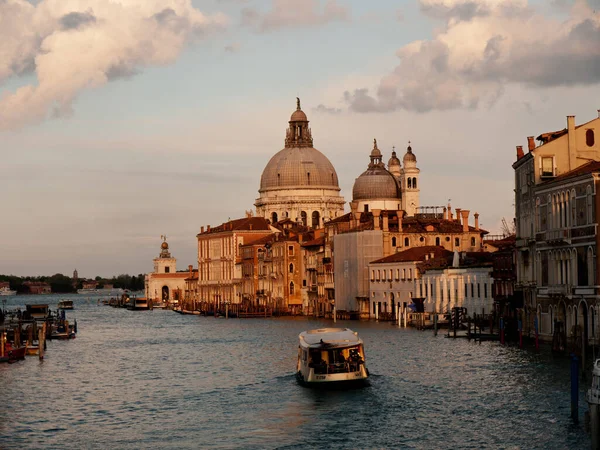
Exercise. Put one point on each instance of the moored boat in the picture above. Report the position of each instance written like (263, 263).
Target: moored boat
(138, 304)
(65, 304)
(331, 358)
(5, 290)
(11, 352)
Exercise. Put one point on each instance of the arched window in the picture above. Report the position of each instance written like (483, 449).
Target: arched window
(316, 219)
(397, 274)
(372, 275)
(410, 274)
(393, 242)
(410, 183)
(406, 242)
(573, 209)
(437, 241)
(590, 267)
(274, 217)
(303, 218)
(589, 138)
(390, 276)
(291, 288)
(291, 268)
(414, 183)
(378, 274)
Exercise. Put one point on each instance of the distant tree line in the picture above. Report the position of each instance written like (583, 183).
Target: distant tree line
(63, 284)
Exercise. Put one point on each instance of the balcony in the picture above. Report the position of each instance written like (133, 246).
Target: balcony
(559, 289)
(561, 236)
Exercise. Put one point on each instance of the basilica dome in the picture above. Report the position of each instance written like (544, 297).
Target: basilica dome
(299, 164)
(299, 182)
(376, 182)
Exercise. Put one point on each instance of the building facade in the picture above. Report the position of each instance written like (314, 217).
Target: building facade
(165, 284)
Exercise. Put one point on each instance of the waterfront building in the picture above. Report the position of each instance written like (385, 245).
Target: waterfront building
(165, 284)
(220, 258)
(299, 182)
(393, 279)
(458, 279)
(38, 287)
(315, 300)
(362, 237)
(556, 184)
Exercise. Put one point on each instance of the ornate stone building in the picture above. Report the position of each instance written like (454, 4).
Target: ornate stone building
(165, 284)
(299, 182)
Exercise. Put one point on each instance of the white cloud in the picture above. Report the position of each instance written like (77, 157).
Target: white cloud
(484, 46)
(77, 45)
(295, 13)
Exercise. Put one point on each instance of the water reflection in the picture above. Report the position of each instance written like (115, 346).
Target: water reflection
(155, 379)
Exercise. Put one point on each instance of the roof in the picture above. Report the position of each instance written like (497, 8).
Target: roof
(244, 224)
(315, 242)
(551, 135)
(415, 254)
(170, 275)
(467, 259)
(329, 337)
(592, 166)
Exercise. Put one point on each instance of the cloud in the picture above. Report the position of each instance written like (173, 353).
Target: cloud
(326, 109)
(295, 13)
(483, 47)
(72, 47)
(233, 47)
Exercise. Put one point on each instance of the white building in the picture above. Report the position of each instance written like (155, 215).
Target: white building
(393, 279)
(165, 284)
(299, 182)
(461, 280)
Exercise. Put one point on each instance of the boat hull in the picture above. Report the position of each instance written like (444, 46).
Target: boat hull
(334, 382)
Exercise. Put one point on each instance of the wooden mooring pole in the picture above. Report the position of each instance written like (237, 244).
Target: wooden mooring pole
(435, 324)
(574, 388)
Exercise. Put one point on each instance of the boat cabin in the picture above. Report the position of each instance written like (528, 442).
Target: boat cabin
(37, 311)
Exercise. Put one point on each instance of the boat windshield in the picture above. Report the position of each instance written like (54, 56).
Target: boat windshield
(336, 360)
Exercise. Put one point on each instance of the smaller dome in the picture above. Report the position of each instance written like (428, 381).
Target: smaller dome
(409, 156)
(375, 153)
(298, 116)
(164, 245)
(394, 161)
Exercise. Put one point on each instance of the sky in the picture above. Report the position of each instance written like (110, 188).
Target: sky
(125, 120)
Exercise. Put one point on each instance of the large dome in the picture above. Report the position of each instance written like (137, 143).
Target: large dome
(298, 167)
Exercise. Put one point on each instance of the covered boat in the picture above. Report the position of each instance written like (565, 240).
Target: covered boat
(65, 304)
(331, 357)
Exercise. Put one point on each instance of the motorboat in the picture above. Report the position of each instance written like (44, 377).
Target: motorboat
(5, 290)
(65, 304)
(11, 352)
(38, 312)
(138, 304)
(331, 358)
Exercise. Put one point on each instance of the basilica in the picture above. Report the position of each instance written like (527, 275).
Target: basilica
(300, 253)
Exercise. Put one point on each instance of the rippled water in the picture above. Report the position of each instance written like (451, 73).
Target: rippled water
(156, 379)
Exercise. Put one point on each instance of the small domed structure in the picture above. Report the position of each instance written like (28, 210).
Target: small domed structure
(164, 245)
(376, 188)
(409, 156)
(394, 165)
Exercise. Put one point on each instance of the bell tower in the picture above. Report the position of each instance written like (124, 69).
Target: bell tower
(165, 263)
(410, 183)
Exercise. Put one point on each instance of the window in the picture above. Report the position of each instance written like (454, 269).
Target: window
(485, 290)
(378, 275)
(397, 274)
(291, 288)
(167, 269)
(466, 290)
(547, 166)
(316, 219)
(410, 183)
(366, 208)
(472, 290)
(437, 241)
(410, 274)
(472, 242)
(291, 250)
(274, 217)
(590, 213)
(278, 179)
(372, 275)
(403, 274)
(478, 290)
(406, 242)
(303, 217)
(390, 276)
(308, 178)
(589, 138)
(291, 268)
(457, 242)
(414, 183)
(393, 242)
(304, 283)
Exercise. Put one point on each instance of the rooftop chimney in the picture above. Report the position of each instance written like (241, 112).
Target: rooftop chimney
(400, 214)
(572, 142)
(465, 219)
(385, 221)
(207, 228)
(202, 229)
(476, 215)
(531, 143)
(376, 214)
(520, 153)
(458, 215)
(190, 268)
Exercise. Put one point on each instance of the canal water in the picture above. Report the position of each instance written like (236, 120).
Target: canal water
(157, 379)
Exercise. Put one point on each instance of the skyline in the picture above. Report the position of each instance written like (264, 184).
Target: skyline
(103, 154)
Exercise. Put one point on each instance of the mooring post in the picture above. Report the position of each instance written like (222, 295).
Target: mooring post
(574, 388)
(520, 325)
(537, 340)
(399, 316)
(335, 314)
(502, 330)
(435, 323)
